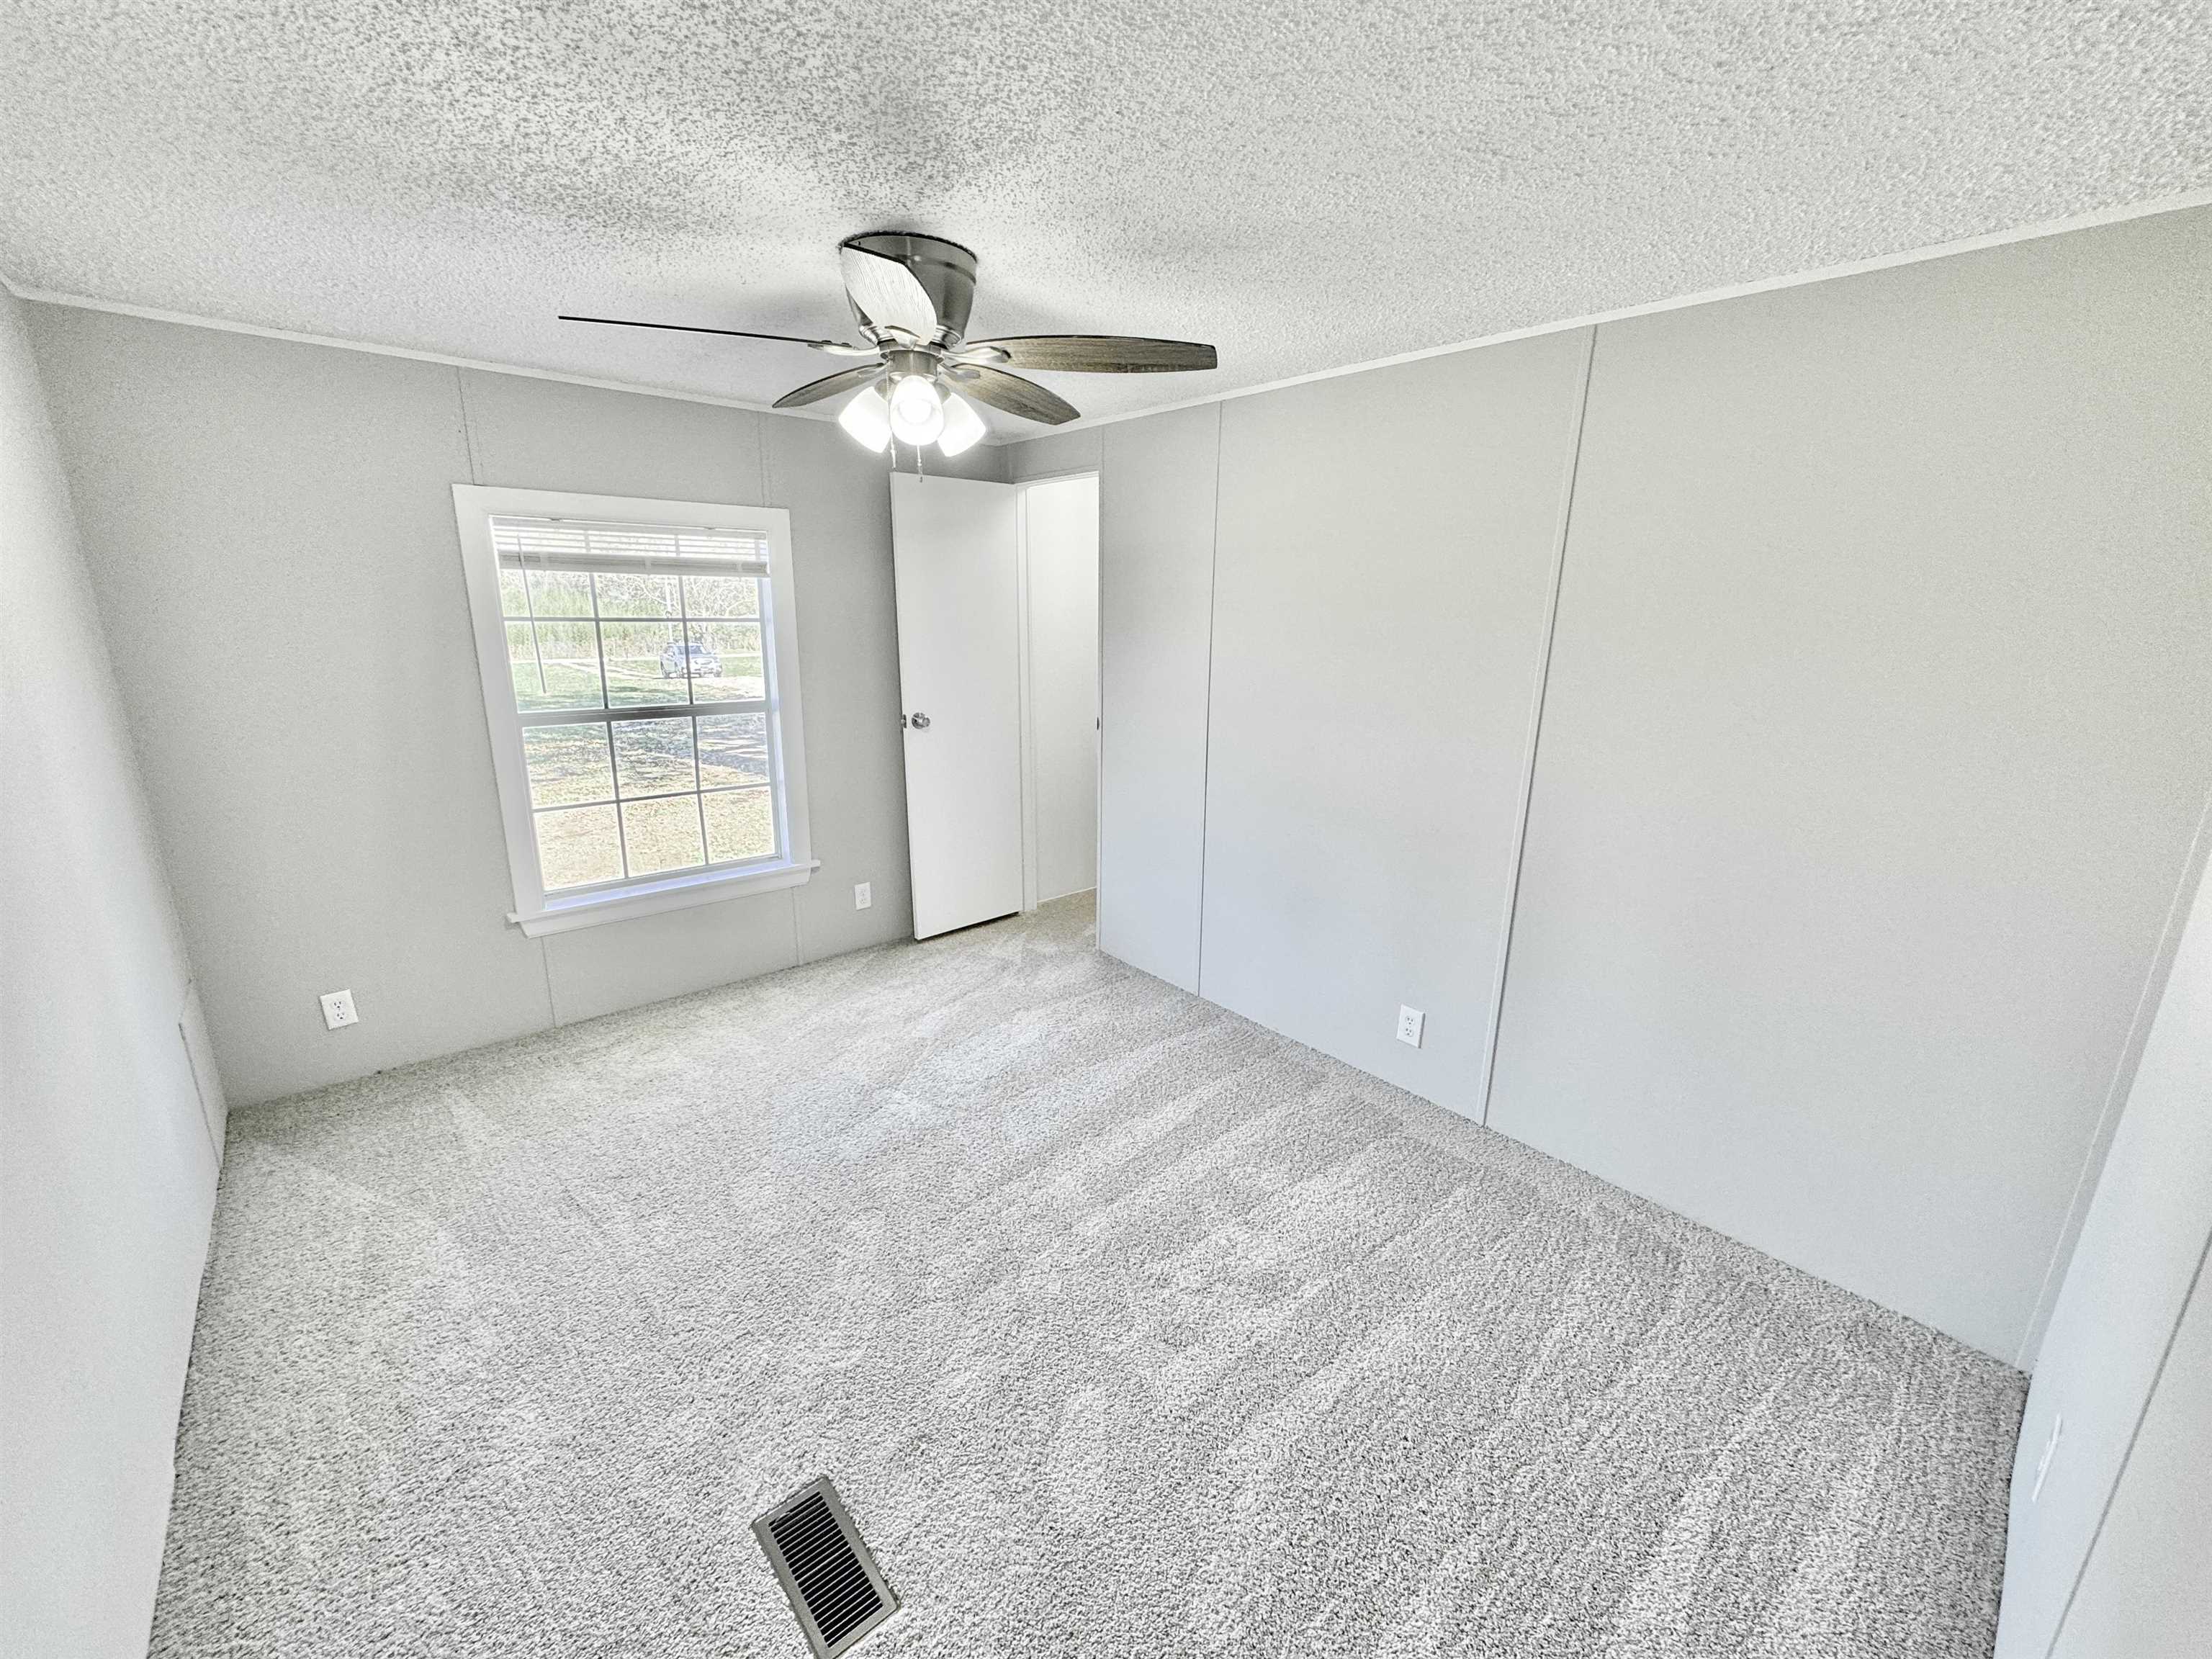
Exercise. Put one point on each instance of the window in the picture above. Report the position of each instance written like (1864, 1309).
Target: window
(640, 681)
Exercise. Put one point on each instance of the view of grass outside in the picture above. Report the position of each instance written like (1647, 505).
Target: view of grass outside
(616, 798)
(563, 624)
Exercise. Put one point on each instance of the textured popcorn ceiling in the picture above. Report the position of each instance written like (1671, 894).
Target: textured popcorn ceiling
(1306, 185)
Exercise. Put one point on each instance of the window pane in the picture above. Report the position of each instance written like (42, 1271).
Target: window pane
(560, 672)
(512, 601)
(653, 756)
(721, 596)
(567, 764)
(637, 596)
(560, 594)
(578, 845)
(725, 661)
(733, 750)
(739, 825)
(644, 663)
(662, 835)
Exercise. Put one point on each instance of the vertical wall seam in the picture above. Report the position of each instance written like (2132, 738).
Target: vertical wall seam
(2125, 1066)
(468, 437)
(192, 1072)
(1206, 741)
(1535, 729)
(2128, 1456)
(1025, 693)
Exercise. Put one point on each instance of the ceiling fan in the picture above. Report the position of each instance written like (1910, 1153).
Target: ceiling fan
(911, 296)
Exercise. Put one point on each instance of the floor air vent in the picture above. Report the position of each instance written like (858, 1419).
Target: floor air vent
(832, 1581)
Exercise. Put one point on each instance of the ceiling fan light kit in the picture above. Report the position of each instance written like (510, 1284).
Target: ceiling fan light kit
(911, 296)
(963, 427)
(867, 420)
(917, 407)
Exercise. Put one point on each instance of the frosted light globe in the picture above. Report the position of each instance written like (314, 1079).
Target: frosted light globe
(867, 419)
(917, 409)
(962, 425)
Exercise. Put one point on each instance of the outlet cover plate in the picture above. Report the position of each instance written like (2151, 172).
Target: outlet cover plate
(337, 1009)
(864, 895)
(1410, 1021)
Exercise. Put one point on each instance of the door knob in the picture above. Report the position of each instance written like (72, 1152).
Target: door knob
(919, 722)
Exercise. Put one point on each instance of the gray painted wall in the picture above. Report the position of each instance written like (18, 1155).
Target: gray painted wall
(2127, 1368)
(1052, 455)
(1155, 601)
(1871, 742)
(1380, 581)
(271, 533)
(2146, 1593)
(107, 1153)
(1059, 642)
(1873, 746)
(1156, 510)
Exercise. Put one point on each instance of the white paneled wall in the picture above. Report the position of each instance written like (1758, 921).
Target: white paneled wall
(1155, 514)
(2109, 1541)
(1872, 738)
(1873, 744)
(2144, 1593)
(1382, 578)
(1059, 649)
(269, 527)
(111, 1115)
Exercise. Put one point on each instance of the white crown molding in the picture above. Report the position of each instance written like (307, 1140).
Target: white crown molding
(2196, 198)
(223, 325)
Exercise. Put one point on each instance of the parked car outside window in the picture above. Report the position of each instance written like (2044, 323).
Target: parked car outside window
(705, 659)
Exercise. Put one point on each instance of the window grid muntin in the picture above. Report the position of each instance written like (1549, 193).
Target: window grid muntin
(607, 714)
(641, 711)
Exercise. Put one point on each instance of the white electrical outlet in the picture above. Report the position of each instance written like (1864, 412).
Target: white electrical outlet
(338, 1009)
(864, 895)
(2050, 1450)
(1409, 1025)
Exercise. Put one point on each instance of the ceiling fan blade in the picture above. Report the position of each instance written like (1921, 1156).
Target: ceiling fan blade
(887, 294)
(687, 328)
(1014, 394)
(1099, 354)
(845, 379)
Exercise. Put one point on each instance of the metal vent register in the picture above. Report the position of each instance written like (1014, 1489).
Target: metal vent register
(833, 1584)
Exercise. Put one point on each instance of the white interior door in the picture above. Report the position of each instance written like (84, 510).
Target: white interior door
(953, 548)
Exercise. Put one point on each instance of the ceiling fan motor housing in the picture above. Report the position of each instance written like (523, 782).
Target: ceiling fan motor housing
(945, 270)
(902, 361)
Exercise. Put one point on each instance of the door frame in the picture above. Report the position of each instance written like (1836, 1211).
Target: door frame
(1029, 835)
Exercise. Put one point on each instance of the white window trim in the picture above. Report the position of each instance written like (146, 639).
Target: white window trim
(475, 506)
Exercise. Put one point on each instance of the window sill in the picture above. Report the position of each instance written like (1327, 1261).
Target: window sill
(677, 893)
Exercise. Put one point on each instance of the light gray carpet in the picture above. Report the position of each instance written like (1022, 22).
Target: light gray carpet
(1124, 1326)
